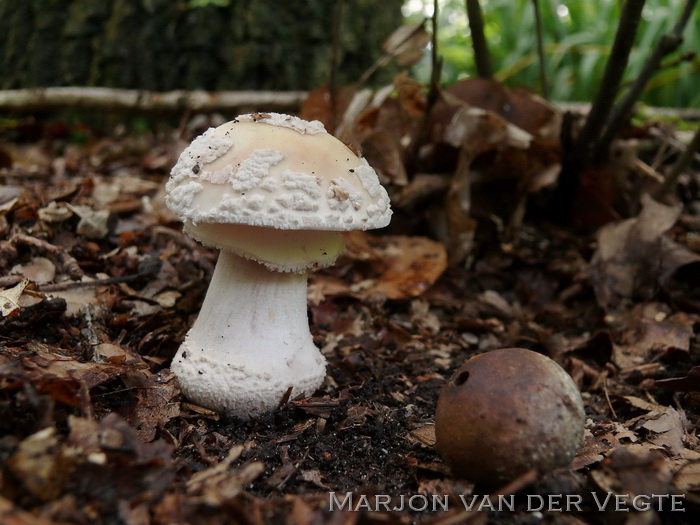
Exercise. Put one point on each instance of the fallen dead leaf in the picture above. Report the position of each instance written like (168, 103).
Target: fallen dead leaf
(93, 223)
(407, 43)
(155, 403)
(313, 476)
(689, 383)
(39, 270)
(220, 483)
(9, 299)
(13, 515)
(53, 373)
(687, 478)
(634, 258)
(397, 267)
(424, 435)
(40, 465)
(648, 336)
(668, 425)
(633, 470)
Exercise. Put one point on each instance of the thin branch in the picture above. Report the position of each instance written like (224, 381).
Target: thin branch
(612, 77)
(433, 89)
(482, 58)
(679, 167)
(666, 45)
(113, 99)
(435, 60)
(577, 151)
(387, 56)
(544, 86)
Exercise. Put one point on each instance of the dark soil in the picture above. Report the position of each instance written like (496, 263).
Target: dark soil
(94, 430)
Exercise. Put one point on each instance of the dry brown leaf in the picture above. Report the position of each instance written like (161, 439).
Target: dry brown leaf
(93, 223)
(407, 43)
(402, 267)
(520, 107)
(397, 267)
(472, 126)
(687, 477)
(64, 261)
(54, 373)
(218, 484)
(383, 150)
(313, 476)
(689, 383)
(668, 425)
(425, 435)
(13, 515)
(318, 106)
(111, 457)
(633, 470)
(155, 401)
(653, 335)
(634, 258)
(9, 299)
(76, 298)
(40, 464)
(39, 270)
(669, 428)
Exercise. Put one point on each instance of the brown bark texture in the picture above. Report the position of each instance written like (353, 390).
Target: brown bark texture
(164, 45)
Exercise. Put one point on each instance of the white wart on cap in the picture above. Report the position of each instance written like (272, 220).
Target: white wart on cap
(272, 192)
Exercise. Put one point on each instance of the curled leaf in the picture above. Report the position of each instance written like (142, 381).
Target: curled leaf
(9, 299)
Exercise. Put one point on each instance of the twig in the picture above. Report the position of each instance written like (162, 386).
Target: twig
(607, 398)
(482, 57)
(688, 114)
(84, 284)
(666, 45)
(8, 251)
(544, 86)
(679, 167)
(434, 88)
(114, 99)
(687, 56)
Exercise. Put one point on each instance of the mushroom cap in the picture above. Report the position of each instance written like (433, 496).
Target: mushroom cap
(277, 171)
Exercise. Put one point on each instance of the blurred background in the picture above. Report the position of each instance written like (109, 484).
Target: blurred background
(162, 45)
(577, 38)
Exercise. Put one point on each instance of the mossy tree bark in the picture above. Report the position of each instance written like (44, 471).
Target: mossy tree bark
(165, 44)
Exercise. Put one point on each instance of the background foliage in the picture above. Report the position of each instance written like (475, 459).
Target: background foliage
(577, 35)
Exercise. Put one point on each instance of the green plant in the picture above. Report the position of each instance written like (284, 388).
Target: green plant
(577, 35)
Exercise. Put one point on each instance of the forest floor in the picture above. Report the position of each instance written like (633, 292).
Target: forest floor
(99, 286)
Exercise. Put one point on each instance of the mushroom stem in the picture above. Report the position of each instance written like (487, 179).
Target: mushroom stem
(251, 341)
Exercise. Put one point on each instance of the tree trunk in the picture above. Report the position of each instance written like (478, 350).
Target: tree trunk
(163, 45)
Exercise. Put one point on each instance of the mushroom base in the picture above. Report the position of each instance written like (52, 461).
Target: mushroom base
(241, 391)
(250, 343)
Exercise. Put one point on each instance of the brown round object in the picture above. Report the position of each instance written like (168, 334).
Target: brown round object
(506, 412)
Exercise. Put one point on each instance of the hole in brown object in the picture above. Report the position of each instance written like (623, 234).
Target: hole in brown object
(461, 378)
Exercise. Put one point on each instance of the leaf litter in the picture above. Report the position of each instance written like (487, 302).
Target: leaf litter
(99, 286)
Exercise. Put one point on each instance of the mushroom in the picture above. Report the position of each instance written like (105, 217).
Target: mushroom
(506, 412)
(273, 192)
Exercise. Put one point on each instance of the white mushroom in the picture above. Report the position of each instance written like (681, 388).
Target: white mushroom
(272, 192)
